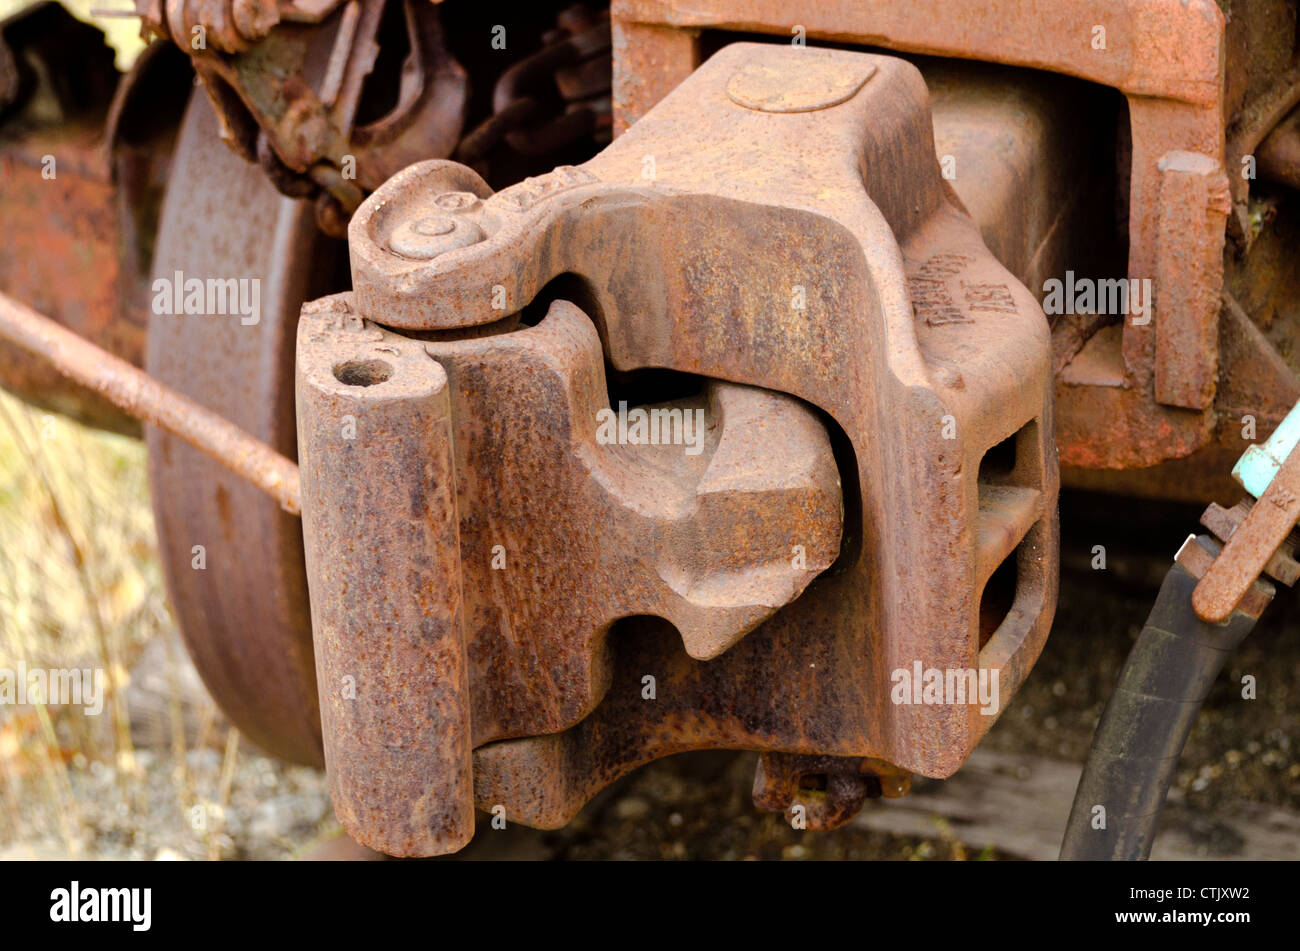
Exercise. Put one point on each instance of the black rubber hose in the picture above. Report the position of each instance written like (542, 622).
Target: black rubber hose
(1135, 751)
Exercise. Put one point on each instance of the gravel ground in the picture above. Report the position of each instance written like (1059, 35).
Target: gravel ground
(272, 810)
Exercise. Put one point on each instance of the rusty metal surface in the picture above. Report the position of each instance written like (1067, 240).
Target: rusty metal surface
(1197, 554)
(297, 88)
(1141, 393)
(702, 539)
(1139, 59)
(83, 159)
(1194, 207)
(253, 650)
(901, 322)
(1281, 565)
(244, 616)
(774, 174)
(823, 792)
(71, 218)
(290, 90)
(231, 26)
(1260, 116)
(1252, 545)
(1017, 167)
(382, 545)
(1256, 384)
(144, 398)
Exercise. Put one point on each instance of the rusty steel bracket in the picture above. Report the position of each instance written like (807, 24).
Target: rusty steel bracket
(288, 91)
(779, 222)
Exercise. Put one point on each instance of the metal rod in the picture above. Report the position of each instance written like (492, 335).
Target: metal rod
(142, 396)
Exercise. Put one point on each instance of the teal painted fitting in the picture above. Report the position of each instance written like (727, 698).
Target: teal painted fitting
(1258, 464)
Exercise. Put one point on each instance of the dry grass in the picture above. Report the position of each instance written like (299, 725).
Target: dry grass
(80, 587)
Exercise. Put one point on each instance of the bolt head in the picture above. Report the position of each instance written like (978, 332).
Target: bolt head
(429, 236)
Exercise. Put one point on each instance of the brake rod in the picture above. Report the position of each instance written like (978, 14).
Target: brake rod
(135, 392)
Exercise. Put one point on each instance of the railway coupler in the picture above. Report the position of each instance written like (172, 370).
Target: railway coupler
(736, 436)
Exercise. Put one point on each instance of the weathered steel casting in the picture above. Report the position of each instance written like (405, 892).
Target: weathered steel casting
(701, 539)
(779, 222)
(1130, 393)
(224, 218)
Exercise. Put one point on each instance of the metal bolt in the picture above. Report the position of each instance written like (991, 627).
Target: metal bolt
(428, 237)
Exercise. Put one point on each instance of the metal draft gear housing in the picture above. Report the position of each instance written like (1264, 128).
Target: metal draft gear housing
(778, 226)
